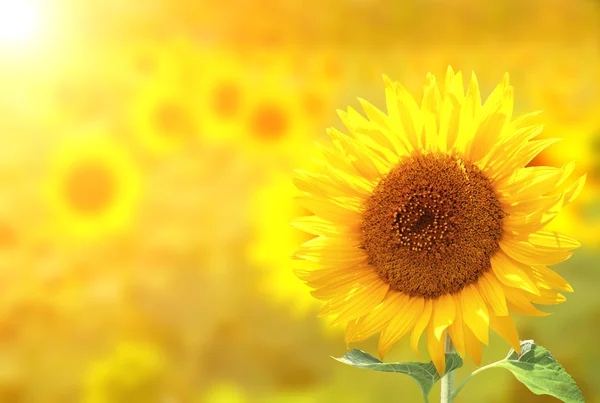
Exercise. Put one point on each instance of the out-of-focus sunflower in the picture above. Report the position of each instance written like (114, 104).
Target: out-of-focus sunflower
(134, 372)
(328, 66)
(92, 186)
(318, 93)
(223, 94)
(308, 79)
(428, 220)
(273, 125)
(163, 116)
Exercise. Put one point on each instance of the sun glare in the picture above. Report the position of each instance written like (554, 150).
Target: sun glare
(19, 22)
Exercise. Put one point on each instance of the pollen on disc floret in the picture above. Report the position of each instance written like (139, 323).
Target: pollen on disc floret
(431, 225)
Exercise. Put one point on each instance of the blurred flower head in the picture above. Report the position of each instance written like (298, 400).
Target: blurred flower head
(92, 186)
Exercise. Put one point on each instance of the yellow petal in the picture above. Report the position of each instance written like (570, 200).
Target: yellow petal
(548, 297)
(495, 115)
(443, 314)
(436, 349)
(344, 285)
(449, 123)
(550, 278)
(575, 189)
(452, 121)
(496, 165)
(530, 182)
(543, 203)
(360, 303)
(332, 255)
(404, 113)
(379, 141)
(401, 323)
(456, 330)
(316, 226)
(527, 253)
(519, 301)
(525, 154)
(375, 115)
(553, 239)
(328, 210)
(379, 317)
(512, 273)
(351, 331)
(381, 123)
(473, 345)
(420, 326)
(505, 327)
(430, 109)
(331, 275)
(319, 184)
(492, 293)
(475, 312)
(525, 222)
(366, 162)
(345, 179)
(359, 291)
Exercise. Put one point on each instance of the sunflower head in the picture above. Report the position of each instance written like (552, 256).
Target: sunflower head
(163, 118)
(92, 186)
(273, 124)
(428, 219)
(223, 95)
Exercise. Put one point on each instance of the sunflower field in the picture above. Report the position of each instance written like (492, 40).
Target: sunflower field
(146, 165)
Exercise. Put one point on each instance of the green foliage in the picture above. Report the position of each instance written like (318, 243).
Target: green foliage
(424, 374)
(537, 369)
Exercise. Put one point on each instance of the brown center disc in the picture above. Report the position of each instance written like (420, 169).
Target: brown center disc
(431, 225)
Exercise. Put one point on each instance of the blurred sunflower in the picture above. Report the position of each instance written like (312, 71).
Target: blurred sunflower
(133, 373)
(273, 125)
(163, 116)
(428, 220)
(318, 93)
(223, 94)
(92, 186)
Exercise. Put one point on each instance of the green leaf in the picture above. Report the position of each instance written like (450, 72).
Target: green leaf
(424, 374)
(537, 369)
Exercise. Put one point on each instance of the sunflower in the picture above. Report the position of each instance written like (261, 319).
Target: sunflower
(162, 116)
(224, 86)
(92, 186)
(274, 126)
(428, 221)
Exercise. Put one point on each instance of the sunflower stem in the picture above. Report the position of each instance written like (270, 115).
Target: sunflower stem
(447, 394)
(472, 374)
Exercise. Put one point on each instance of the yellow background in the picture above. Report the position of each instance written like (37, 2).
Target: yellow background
(145, 164)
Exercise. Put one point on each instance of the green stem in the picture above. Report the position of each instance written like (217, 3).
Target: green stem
(447, 394)
(471, 375)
